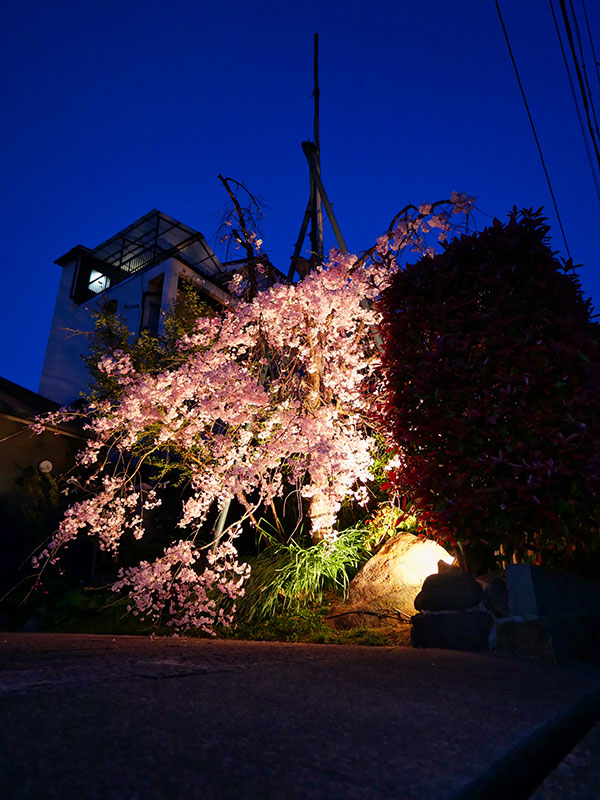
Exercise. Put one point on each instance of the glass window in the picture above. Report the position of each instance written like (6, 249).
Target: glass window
(98, 282)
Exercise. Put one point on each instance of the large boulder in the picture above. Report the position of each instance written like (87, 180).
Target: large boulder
(449, 591)
(385, 588)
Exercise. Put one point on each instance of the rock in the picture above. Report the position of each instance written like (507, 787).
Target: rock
(539, 592)
(462, 630)
(496, 597)
(531, 611)
(443, 566)
(449, 591)
(524, 638)
(385, 587)
(553, 615)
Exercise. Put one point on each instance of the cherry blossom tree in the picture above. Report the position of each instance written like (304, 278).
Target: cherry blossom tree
(271, 395)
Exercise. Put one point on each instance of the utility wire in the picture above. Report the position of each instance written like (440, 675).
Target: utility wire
(535, 136)
(586, 107)
(577, 109)
(581, 54)
(587, 24)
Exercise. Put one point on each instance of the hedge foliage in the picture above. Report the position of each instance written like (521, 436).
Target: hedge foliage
(492, 391)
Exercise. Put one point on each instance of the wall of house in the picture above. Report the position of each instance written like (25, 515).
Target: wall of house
(22, 449)
(27, 516)
(64, 374)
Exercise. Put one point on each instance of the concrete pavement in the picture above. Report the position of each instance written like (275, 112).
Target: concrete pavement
(129, 718)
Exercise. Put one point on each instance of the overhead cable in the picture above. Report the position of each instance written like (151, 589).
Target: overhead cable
(535, 136)
(580, 80)
(585, 75)
(593, 168)
(587, 24)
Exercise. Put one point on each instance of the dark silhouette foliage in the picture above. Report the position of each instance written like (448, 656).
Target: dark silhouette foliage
(492, 392)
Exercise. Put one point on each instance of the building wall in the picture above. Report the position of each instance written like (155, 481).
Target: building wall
(64, 374)
(22, 449)
(26, 516)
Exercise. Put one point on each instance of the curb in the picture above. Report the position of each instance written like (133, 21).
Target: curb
(520, 772)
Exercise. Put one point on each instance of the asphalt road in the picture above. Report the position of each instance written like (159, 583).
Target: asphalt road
(129, 718)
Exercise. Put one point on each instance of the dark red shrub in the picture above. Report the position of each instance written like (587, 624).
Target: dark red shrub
(492, 391)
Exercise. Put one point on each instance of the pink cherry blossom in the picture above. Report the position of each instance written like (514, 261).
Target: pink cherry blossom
(277, 386)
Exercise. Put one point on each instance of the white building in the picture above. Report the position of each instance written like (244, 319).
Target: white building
(140, 270)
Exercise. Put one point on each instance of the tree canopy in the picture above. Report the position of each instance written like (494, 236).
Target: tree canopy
(492, 395)
(269, 399)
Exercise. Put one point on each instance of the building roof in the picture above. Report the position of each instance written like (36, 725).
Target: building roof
(21, 404)
(151, 240)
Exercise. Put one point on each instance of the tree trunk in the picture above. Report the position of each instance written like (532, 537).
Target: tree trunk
(319, 505)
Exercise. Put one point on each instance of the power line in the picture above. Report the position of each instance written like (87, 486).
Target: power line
(581, 55)
(577, 109)
(580, 80)
(587, 24)
(535, 136)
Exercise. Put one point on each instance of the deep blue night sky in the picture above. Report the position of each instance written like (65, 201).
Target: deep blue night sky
(118, 106)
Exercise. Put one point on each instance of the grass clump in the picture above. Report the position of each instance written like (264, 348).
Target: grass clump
(309, 624)
(287, 577)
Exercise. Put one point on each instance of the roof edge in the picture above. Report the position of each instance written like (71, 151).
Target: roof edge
(71, 255)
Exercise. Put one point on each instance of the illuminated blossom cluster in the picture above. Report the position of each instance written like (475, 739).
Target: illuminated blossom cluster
(183, 587)
(270, 398)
